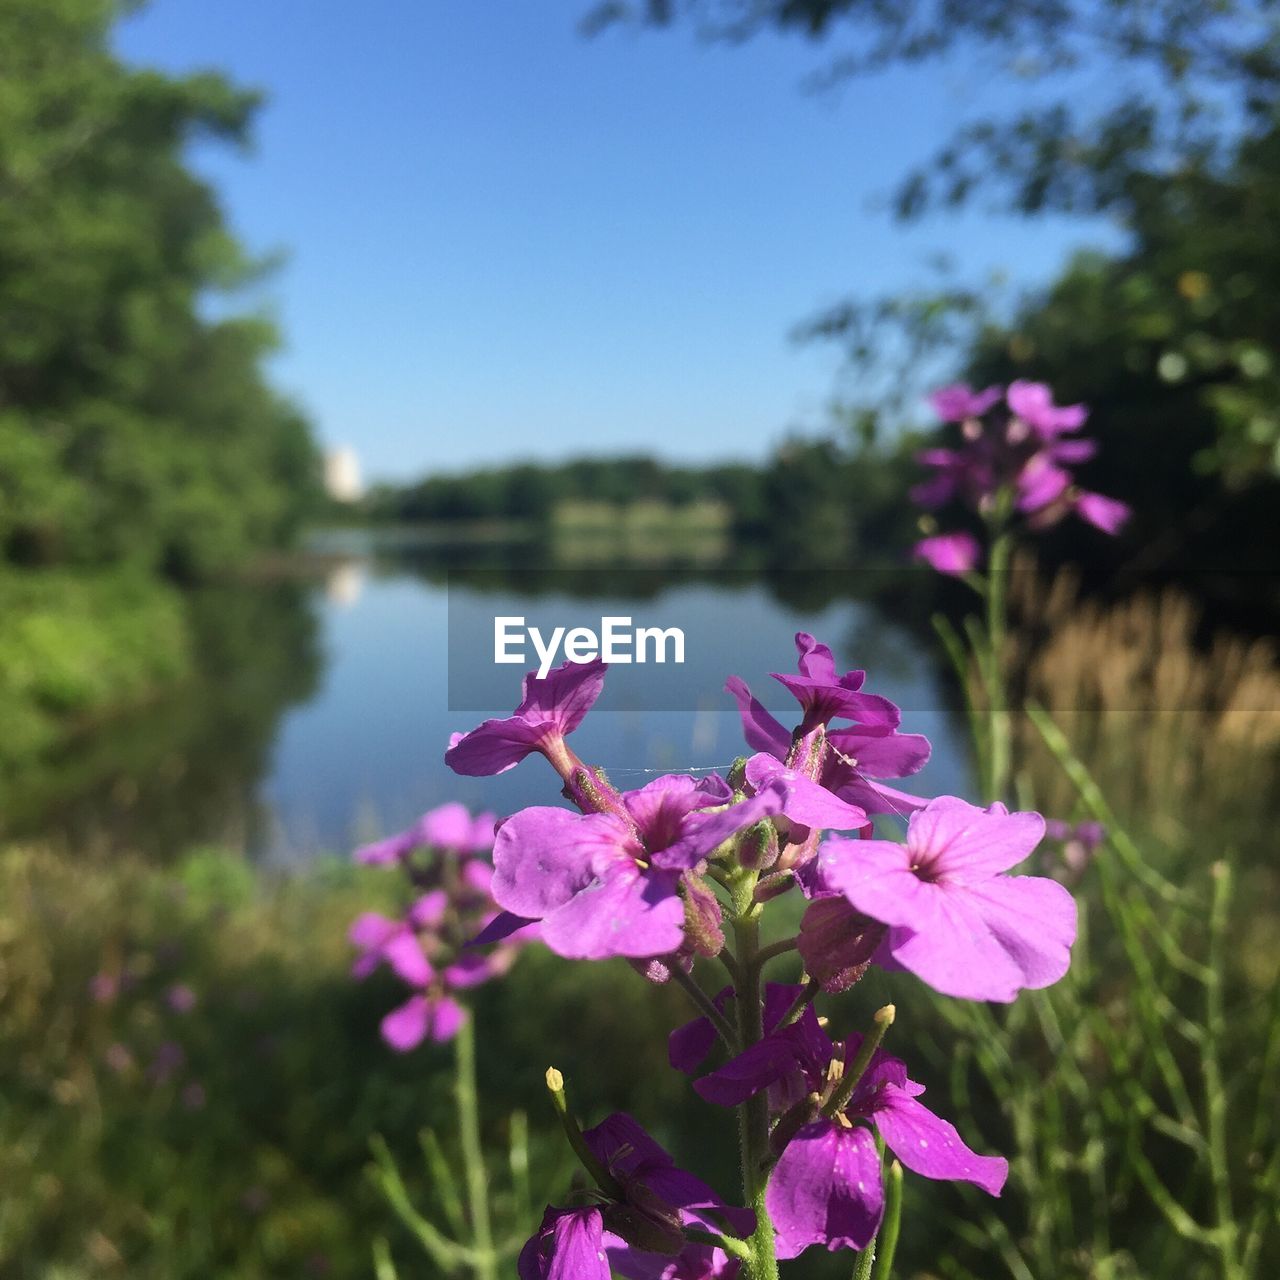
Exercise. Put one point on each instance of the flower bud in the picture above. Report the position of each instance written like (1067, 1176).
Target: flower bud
(758, 846)
(701, 916)
(836, 943)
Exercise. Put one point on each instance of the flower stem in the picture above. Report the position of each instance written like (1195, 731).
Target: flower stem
(998, 737)
(888, 1238)
(484, 1261)
(599, 1174)
(855, 1070)
(753, 1115)
(706, 1006)
(774, 949)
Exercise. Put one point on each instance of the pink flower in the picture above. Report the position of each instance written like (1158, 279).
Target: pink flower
(550, 709)
(953, 553)
(954, 918)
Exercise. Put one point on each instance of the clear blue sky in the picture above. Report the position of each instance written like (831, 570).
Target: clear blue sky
(507, 240)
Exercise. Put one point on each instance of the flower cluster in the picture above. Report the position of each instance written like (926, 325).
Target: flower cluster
(681, 872)
(1014, 454)
(443, 860)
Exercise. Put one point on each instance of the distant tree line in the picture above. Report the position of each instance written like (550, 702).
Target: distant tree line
(817, 499)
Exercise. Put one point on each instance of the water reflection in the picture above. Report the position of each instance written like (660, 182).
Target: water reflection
(185, 770)
(322, 707)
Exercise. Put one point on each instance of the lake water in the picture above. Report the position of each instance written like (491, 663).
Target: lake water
(329, 712)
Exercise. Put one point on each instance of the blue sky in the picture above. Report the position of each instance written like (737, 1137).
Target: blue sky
(506, 240)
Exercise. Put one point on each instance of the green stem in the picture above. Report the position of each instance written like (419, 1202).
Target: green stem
(586, 1157)
(706, 1006)
(753, 1115)
(1214, 1085)
(855, 1070)
(892, 1222)
(862, 1265)
(485, 1262)
(774, 949)
(998, 738)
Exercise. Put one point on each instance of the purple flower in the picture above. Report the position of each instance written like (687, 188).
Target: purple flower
(1032, 403)
(550, 709)
(1079, 841)
(826, 1187)
(693, 1262)
(103, 988)
(569, 1245)
(825, 695)
(169, 1057)
(851, 762)
(1040, 483)
(836, 943)
(658, 1198)
(180, 998)
(957, 402)
(381, 940)
(641, 1229)
(956, 472)
(605, 884)
(1107, 514)
(688, 1046)
(1020, 452)
(449, 827)
(953, 553)
(426, 1015)
(955, 919)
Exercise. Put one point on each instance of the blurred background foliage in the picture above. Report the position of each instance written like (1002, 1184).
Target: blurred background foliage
(152, 484)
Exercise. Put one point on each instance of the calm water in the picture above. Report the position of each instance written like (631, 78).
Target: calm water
(364, 754)
(327, 717)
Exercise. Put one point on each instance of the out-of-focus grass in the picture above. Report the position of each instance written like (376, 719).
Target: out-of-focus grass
(1181, 727)
(247, 1154)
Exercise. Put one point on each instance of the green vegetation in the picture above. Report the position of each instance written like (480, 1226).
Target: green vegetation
(140, 445)
(247, 1153)
(74, 647)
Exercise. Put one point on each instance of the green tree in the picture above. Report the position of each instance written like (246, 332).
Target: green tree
(133, 427)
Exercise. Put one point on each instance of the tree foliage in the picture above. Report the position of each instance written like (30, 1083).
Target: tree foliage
(134, 426)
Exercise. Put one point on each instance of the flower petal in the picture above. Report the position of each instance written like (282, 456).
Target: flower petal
(954, 553)
(544, 855)
(826, 1189)
(963, 842)
(494, 746)
(765, 1063)
(759, 728)
(882, 755)
(403, 952)
(803, 800)
(1034, 919)
(569, 1245)
(564, 696)
(626, 912)
(958, 401)
(702, 833)
(954, 951)
(930, 1146)
(446, 1017)
(405, 1027)
(876, 877)
(1106, 514)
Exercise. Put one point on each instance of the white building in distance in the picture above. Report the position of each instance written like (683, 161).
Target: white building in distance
(342, 480)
